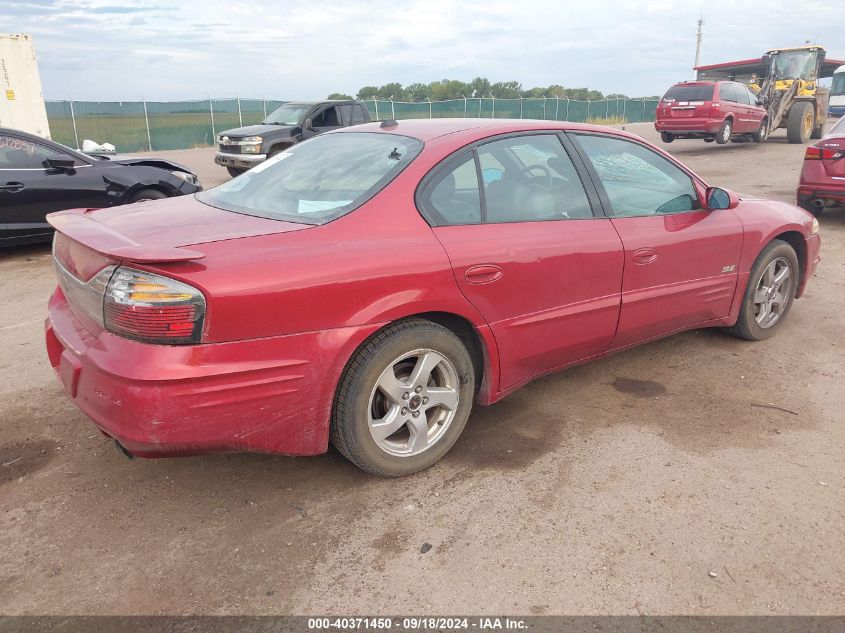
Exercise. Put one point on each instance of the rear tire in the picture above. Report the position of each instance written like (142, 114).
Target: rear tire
(234, 172)
(767, 301)
(147, 194)
(381, 420)
(800, 122)
(666, 137)
(725, 131)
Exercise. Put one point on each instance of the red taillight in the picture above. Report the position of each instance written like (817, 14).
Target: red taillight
(822, 153)
(715, 109)
(153, 308)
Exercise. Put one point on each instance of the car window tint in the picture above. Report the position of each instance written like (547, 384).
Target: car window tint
(345, 113)
(326, 118)
(637, 180)
(452, 196)
(21, 153)
(727, 92)
(529, 179)
(358, 114)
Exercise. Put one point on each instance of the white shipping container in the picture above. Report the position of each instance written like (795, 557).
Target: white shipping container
(21, 101)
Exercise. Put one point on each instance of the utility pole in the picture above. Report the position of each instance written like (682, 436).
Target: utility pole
(698, 36)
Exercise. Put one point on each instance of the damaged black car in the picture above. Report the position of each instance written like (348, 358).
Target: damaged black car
(38, 177)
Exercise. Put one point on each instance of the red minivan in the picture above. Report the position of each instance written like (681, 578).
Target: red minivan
(711, 110)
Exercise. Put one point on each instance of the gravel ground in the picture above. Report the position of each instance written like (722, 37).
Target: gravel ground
(699, 474)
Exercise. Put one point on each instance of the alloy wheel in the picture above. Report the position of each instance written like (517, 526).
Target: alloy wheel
(413, 402)
(773, 291)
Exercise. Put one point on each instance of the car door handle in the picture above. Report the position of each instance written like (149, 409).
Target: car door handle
(13, 187)
(483, 274)
(644, 255)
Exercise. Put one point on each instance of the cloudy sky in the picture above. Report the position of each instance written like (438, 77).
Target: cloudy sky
(292, 49)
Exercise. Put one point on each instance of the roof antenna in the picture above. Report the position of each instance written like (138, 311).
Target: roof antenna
(388, 123)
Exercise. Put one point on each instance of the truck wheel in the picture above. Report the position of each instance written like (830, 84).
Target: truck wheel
(724, 133)
(666, 137)
(800, 122)
(235, 171)
(762, 132)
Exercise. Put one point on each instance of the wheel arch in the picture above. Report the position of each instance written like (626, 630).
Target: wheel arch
(796, 241)
(478, 341)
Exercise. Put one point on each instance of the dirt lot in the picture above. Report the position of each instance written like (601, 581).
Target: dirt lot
(657, 481)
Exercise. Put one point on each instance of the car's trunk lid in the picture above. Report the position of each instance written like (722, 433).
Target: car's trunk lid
(833, 157)
(161, 231)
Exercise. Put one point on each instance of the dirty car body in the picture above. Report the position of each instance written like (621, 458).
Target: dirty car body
(520, 245)
(38, 177)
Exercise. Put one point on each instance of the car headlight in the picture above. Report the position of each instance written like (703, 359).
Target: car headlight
(815, 227)
(219, 138)
(191, 178)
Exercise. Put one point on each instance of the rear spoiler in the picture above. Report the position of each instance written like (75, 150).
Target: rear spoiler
(75, 224)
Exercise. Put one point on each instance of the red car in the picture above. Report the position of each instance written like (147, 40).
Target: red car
(711, 110)
(823, 174)
(368, 286)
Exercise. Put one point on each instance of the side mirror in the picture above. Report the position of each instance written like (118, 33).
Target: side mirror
(61, 163)
(307, 124)
(718, 198)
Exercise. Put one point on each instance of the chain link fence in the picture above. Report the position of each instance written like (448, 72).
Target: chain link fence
(133, 126)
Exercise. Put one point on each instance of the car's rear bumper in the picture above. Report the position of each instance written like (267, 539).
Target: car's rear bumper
(270, 395)
(822, 191)
(688, 126)
(239, 161)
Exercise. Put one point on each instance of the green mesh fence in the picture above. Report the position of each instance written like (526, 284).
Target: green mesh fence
(133, 126)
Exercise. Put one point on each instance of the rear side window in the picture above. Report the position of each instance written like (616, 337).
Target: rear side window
(526, 178)
(358, 114)
(728, 92)
(318, 180)
(638, 181)
(702, 92)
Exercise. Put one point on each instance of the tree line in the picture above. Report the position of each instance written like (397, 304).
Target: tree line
(477, 88)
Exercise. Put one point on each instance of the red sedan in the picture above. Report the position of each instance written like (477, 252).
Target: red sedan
(823, 174)
(367, 287)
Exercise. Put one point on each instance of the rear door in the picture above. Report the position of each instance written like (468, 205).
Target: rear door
(527, 251)
(680, 260)
(729, 101)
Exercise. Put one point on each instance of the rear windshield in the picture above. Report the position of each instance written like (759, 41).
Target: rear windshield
(319, 180)
(690, 93)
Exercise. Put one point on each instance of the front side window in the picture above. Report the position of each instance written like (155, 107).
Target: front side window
(20, 153)
(638, 181)
(319, 180)
(837, 86)
(326, 118)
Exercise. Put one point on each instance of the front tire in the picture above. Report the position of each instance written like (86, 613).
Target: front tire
(725, 131)
(762, 132)
(234, 172)
(404, 399)
(800, 122)
(147, 194)
(769, 294)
